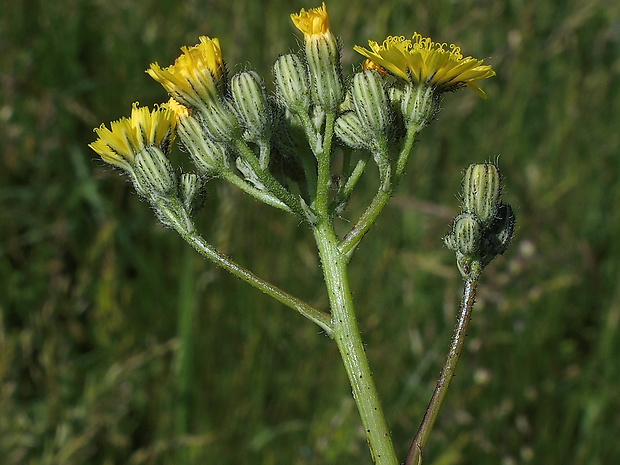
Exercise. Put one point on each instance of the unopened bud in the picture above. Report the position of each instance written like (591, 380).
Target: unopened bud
(467, 234)
(209, 156)
(248, 92)
(351, 131)
(481, 190)
(418, 104)
(324, 66)
(153, 172)
(292, 82)
(220, 122)
(191, 192)
(371, 101)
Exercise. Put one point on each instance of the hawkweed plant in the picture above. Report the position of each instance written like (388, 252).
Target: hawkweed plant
(280, 149)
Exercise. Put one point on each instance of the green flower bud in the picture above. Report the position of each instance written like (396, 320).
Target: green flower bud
(191, 192)
(324, 65)
(467, 234)
(250, 98)
(221, 123)
(351, 131)
(371, 101)
(153, 172)
(418, 104)
(209, 156)
(292, 82)
(450, 241)
(481, 190)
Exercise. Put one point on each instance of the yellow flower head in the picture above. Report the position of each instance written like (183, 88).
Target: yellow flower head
(128, 136)
(312, 22)
(194, 77)
(423, 61)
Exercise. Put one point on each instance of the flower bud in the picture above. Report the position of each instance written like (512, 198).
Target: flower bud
(292, 82)
(467, 234)
(450, 241)
(418, 105)
(191, 192)
(209, 157)
(220, 122)
(324, 65)
(371, 101)
(351, 131)
(248, 92)
(481, 190)
(153, 172)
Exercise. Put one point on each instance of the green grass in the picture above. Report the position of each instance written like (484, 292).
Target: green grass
(91, 284)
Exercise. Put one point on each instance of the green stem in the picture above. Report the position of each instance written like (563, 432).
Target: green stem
(347, 336)
(270, 183)
(323, 167)
(364, 223)
(447, 371)
(253, 191)
(182, 224)
(359, 230)
(345, 192)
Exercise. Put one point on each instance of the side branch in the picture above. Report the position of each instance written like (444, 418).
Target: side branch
(414, 457)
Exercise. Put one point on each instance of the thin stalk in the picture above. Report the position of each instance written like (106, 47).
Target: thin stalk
(345, 191)
(270, 183)
(347, 336)
(254, 192)
(359, 230)
(182, 224)
(414, 457)
(323, 167)
(364, 223)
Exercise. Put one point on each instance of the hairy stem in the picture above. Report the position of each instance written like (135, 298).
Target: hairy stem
(172, 210)
(347, 336)
(447, 371)
(359, 230)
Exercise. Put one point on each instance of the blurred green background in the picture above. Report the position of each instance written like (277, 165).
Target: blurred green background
(91, 285)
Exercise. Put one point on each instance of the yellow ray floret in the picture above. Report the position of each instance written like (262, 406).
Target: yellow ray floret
(194, 76)
(422, 61)
(312, 22)
(128, 136)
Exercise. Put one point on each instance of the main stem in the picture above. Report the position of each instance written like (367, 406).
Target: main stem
(347, 336)
(414, 457)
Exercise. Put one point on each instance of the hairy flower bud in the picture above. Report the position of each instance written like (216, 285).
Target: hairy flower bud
(351, 131)
(371, 101)
(324, 65)
(191, 191)
(467, 234)
(292, 82)
(153, 172)
(250, 98)
(481, 191)
(418, 105)
(220, 122)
